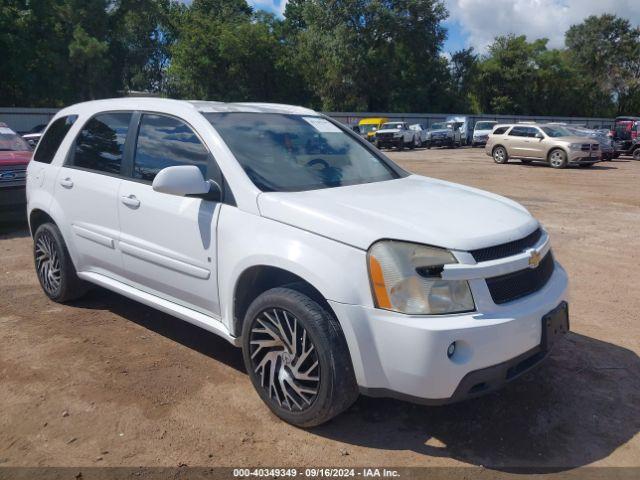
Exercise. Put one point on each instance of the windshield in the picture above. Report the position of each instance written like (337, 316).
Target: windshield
(440, 126)
(11, 141)
(555, 132)
(367, 128)
(282, 153)
(391, 125)
(485, 125)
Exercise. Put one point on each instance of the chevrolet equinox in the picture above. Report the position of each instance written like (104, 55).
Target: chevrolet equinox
(335, 270)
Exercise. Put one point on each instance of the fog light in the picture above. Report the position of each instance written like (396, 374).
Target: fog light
(451, 350)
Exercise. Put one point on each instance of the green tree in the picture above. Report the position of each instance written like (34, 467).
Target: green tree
(227, 52)
(372, 55)
(606, 49)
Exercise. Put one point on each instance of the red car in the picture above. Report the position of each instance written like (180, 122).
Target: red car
(15, 154)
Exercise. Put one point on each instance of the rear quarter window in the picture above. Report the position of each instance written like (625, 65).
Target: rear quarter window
(51, 140)
(500, 130)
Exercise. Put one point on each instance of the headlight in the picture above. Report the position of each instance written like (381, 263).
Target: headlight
(405, 278)
(575, 146)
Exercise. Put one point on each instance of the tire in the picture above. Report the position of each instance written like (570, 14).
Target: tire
(557, 158)
(616, 155)
(319, 338)
(500, 155)
(636, 154)
(50, 255)
(377, 144)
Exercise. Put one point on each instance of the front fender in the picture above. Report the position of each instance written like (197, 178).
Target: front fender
(337, 271)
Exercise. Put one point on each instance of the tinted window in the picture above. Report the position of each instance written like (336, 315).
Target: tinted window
(166, 142)
(295, 152)
(500, 131)
(518, 132)
(100, 144)
(484, 125)
(51, 140)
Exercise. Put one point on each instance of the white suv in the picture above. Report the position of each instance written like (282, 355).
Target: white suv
(277, 228)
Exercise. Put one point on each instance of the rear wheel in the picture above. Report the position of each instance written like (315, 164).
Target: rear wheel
(500, 155)
(297, 358)
(636, 154)
(558, 158)
(54, 267)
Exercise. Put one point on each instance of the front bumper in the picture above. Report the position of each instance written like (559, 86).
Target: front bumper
(581, 157)
(389, 142)
(405, 356)
(440, 141)
(13, 202)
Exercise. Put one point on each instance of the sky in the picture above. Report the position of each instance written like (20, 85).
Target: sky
(475, 23)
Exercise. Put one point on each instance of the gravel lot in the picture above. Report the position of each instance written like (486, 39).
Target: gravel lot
(108, 382)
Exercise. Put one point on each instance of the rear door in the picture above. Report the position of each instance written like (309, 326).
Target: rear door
(87, 191)
(169, 242)
(516, 142)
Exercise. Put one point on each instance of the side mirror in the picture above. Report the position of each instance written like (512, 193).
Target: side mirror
(186, 180)
(539, 136)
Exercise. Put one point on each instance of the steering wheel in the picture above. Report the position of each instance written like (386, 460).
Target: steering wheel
(318, 161)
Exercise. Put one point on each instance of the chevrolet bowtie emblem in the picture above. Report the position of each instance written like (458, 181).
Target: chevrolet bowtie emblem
(534, 259)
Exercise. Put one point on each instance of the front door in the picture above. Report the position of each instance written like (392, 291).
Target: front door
(169, 242)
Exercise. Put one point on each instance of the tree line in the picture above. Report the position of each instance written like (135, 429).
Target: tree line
(337, 55)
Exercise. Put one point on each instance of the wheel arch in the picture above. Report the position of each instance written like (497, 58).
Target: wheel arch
(257, 279)
(553, 149)
(38, 217)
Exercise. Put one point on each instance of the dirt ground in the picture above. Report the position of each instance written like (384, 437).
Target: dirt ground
(108, 382)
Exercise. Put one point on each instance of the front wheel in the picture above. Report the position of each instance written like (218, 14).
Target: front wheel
(500, 155)
(558, 158)
(636, 154)
(297, 357)
(54, 267)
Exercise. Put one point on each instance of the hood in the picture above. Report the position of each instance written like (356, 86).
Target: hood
(8, 158)
(574, 139)
(414, 208)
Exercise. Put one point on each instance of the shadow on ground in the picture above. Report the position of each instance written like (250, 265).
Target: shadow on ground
(190, 336)
(577, 408)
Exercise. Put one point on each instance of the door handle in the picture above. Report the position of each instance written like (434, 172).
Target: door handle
(130, 201)
(66, 182)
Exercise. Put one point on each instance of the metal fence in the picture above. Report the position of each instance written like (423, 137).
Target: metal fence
(352, 118)
(24, 119)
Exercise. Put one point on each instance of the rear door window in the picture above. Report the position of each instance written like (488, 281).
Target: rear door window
(165, 141)
(500, 130)
(100, 144)
(51, 140)
(518, 132)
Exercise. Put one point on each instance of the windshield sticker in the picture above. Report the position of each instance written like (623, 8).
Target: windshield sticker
(322, 125)
(6, 131)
